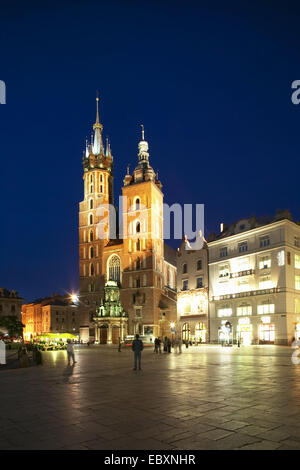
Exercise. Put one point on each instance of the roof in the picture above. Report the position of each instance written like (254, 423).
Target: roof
(245, 224)
(170, 255)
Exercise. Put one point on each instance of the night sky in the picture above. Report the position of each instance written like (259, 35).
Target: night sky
(211, 82)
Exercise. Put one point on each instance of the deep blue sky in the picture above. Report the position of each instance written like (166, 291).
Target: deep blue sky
(211, 81)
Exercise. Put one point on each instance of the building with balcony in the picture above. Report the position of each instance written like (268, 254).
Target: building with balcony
(254, 281)
(192, 293)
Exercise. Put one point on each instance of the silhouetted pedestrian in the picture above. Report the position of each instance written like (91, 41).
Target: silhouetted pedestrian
(137, 348)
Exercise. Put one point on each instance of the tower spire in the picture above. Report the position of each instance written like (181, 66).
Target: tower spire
(97, 127)
(143, 132)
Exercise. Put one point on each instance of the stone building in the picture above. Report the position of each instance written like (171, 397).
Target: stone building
(55, 314)
(192, 293)
(10, 303)
(254, 281)
(132, 252)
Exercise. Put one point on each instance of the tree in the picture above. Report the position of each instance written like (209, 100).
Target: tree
(12, 324)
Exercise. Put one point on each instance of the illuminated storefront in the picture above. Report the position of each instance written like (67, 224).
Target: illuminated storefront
(266, 331)
(297, 331)
(186, 332)
(200, 333)
(245, 331)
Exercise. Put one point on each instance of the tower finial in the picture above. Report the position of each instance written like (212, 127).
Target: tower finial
(143, 132)
(97, 105)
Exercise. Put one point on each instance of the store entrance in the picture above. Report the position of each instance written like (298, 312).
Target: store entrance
(244, 333)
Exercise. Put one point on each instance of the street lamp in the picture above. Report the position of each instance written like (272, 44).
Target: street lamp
(74, 298)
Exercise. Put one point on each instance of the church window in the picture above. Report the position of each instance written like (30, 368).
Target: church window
(91, 219)
(114, 268)
(138, 263)
(138, 245)
(101, 189)
(92, 270)
(144, 280)
(138, 227)
(92, 252)
(138, 282)
(101, 178)
(91, 236)
(137, 204)
(91, 204)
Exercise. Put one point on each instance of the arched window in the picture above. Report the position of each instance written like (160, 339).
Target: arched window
(91, 204)
(138, 227)
(91, 236)
(137, 204)
(186, 332)
(114, 269)
(91, 219)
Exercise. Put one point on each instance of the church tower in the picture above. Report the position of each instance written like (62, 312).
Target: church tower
(143, 247)
(94, 224)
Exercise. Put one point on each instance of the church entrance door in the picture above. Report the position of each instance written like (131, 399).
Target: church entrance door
(103, 334)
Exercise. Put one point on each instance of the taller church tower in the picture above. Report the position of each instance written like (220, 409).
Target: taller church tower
(94, 224)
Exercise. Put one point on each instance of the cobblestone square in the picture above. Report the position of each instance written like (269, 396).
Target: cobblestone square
(208, 397)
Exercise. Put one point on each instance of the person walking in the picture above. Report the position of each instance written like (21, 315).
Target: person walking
(165, 344)
(156, 345)
(169, 344)
(137, 348)
(179, 345)
(70, 352)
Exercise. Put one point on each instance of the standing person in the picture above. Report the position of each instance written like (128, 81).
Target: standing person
(169, 344)
(137, 348)
(159, 345)
(156, 345)
(70, 352)
(165, 344)
(179, 345)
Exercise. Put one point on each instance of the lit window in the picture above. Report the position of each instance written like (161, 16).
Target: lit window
(264, 241)
(243, 246)
(224, 271)
(265, 308)
(264, 262)
(297, 282)
(265, 282)
(297, 261)
(280, 258)
(223, 252)
(243, 285)
(225, 312)
(185, 285)
(244, 310)
(297, 305)
(199, 282)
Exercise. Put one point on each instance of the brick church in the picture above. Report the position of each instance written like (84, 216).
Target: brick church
(127, 274)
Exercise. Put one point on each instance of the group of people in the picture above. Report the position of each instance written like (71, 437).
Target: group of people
(167, 345)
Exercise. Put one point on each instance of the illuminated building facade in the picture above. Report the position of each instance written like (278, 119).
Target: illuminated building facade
(10, 303)
(135, 259)
(55, 314)
(192, 294)
(254, 281)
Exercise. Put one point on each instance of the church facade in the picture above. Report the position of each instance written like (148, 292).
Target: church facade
(133, 256)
